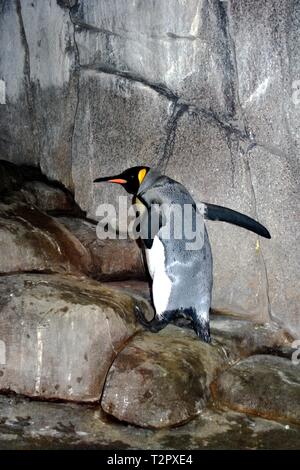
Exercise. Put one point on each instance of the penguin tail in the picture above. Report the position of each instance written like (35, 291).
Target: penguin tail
(223, 214)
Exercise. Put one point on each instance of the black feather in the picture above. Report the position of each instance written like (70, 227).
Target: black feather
(223, 214)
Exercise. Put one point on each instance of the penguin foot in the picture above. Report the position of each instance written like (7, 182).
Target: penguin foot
(154, 325)
(202, 330)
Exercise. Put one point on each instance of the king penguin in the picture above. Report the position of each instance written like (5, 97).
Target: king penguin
(181, 277)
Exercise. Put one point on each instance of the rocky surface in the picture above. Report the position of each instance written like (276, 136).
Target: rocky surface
(208, 91)
(33, 241)
(42, 425)
(161, 380)
(61, 334)
(110, 259)
(47, 198)
(262, 385)
(241, 338)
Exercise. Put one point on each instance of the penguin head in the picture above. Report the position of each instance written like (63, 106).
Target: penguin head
(130, 179)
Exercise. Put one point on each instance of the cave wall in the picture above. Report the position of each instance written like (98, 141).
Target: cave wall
(205, 89)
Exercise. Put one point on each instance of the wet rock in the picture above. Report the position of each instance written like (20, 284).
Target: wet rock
(141, 288)
(241, 338)
(206, 90)
(47, 198)
(34, 241)
(266, 386)
(61, 334)
(28, 424)
(162, 379)
(110, 259)
(37, 120)
(10, 177)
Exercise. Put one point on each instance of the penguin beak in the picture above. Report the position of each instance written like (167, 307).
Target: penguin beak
(111, 179)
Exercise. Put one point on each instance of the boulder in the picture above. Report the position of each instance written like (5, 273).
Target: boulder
(161, 380)
(207, 91)
(61, 334)
(28, 424)
(30, 240)
(48, 198)
(242, 338)
(110, 259)
(261, 385)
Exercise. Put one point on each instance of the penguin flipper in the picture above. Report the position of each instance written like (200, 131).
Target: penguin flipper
(224, 214)
(154, 222)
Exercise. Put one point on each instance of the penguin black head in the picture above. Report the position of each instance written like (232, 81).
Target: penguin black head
(130, 179)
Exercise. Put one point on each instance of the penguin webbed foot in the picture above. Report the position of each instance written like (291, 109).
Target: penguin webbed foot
(202, 331)
(153, 325)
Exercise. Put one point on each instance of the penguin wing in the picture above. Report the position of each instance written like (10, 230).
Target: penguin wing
(223, 214)
(152, 222)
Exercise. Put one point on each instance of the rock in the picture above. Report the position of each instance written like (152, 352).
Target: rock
(280, 258)
(137, 137)
(37, 120)
(34, 241)
(182, 47)
(141, 288)
(161, 380)
(268, 35)
(241, 338)
(28, 424)
(110, 259)
(47, 198)
(208, 91)
(10, 177)
(61, 334)
(266, 386)
(269, 99)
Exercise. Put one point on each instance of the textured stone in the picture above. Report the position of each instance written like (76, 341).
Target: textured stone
(28, 424)
(10, 177)
(161, 380)
(266, 386)
(268, 35)
(281, 257)
(105, 145)
(30, 240)
(110, 259)
(182, 46)
(242, 338)
(61, 334)
(269, 99)
(37, 121)
(47, 198)
(148, 71)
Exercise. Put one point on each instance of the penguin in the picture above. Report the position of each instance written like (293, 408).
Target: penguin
(182, 278)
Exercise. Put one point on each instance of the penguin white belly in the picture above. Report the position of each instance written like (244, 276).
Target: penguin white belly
(161, 287)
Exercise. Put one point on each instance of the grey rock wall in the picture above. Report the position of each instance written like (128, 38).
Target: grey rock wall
(206, 90)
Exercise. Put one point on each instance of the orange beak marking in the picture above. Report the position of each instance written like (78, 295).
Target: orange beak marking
(117, 180)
